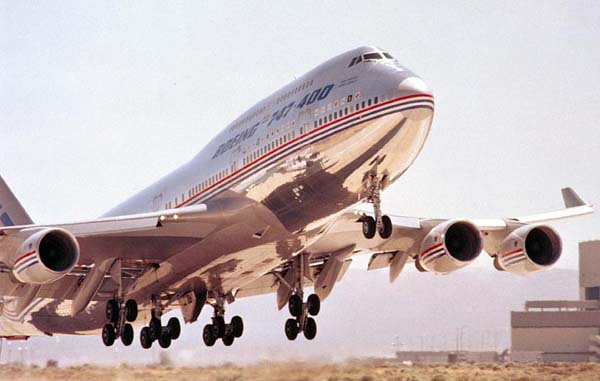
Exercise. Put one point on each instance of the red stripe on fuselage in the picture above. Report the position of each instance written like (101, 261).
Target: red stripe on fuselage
(301, 137)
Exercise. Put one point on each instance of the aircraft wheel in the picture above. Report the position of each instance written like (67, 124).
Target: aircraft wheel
(174, 328)
(131, 310)
(145, 338)
(369, 227)
(164, 340)
(310, 330)
(314, 304)
(386, 228)
(228, 339)
(154, 328)
(127, 336)
(112, 311)
(208, 335)
(238, 326)
(108, 335)
(295, 305)
(291, 329)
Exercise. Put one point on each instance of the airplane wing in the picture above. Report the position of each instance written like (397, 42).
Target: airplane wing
(422, 241)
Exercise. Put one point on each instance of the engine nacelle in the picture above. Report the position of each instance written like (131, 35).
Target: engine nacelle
(449, 246)
(46, 256)
(529, 248)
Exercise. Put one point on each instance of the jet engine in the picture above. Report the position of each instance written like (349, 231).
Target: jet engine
(45, 256)
(529, 248)
(449, 246)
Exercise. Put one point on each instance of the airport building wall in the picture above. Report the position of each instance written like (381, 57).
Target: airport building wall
(562, 330)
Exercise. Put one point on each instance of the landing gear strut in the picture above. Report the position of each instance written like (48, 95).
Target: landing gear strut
(218, 329)
(302, 312)
(381, 223)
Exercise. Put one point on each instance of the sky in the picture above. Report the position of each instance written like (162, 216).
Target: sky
(100, 99)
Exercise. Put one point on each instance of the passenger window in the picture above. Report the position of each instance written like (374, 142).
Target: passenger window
(369, 102)
(376, 100)
(363, 104)
(335, 115)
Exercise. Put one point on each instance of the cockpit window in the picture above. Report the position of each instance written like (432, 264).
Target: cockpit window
(372, 56)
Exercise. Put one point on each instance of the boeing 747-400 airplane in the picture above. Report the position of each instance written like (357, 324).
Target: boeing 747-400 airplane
(268, 206)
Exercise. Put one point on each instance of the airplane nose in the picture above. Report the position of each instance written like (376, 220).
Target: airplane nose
(413, 85)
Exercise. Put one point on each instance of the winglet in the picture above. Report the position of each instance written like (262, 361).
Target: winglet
(571, 198)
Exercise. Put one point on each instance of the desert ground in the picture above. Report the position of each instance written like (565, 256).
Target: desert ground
(350, 371)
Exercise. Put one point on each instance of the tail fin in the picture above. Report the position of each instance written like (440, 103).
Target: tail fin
(11, 211)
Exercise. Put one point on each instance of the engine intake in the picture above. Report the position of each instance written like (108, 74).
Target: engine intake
(529, 248)
(449, 246)
(46, 256)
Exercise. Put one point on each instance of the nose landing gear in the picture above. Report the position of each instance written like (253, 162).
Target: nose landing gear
(381, 224)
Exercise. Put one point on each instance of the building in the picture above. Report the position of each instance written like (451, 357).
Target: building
(559, 330)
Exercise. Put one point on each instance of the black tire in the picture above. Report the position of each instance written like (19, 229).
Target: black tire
(155, 329)
(131, 310)
(108, 334)
(112, 311)
(164, 340)
(369, 227)
(208, 335)
(310, 329)
(295, 305)
(145, 338)
(386, 227)
(174, 328)
(237, 325)
(127, 335)
(314, 304)
(291, 329)
(228, 339)
(219, 326)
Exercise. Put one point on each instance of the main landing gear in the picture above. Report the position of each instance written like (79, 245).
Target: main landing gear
(302, 320)
(119, 316)
(380, 224)
(155, 331)
(218, 329)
